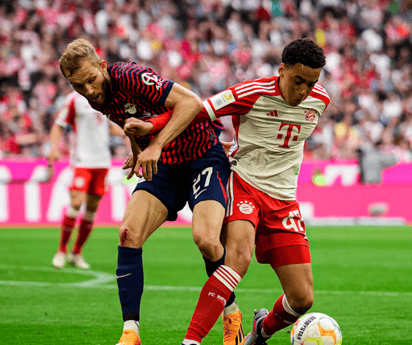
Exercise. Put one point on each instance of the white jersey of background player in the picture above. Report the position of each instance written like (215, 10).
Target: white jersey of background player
(90, 142)
(90, 157)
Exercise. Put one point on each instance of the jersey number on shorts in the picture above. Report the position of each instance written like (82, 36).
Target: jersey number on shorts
(293, 221)
(196, 184)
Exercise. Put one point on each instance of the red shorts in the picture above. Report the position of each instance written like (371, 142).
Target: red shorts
(90, 181)
(280, 231)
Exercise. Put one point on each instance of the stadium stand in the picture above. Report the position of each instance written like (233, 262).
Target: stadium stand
(209, 45)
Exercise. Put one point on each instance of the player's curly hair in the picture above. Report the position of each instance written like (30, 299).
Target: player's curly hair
(303, 51)
(75, 53)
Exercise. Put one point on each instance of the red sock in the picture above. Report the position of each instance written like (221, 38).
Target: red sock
(65, 232)
(211, 303)
(85, 229)
(281, 316)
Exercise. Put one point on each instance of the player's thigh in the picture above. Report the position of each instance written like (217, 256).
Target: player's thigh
(207, 218)
(92, 202)
(207, 225)
(208, 192)
(77, 198)
(144, 214)
(238, 236)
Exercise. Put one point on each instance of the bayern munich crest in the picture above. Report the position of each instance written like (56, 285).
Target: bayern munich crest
(310, 115)
(246, 207)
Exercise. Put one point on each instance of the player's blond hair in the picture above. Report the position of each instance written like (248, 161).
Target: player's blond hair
(75, 53)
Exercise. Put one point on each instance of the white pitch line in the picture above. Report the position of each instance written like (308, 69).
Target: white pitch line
(100, 278)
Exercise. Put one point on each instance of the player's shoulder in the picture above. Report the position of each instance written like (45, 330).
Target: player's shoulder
(320, 93)
(120, 69)
(72, 96)
(257, 87)
(77, 100)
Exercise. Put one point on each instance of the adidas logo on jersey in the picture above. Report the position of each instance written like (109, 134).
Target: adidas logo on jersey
(273, 113)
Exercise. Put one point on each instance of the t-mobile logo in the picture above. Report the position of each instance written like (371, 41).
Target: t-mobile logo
(289, 132)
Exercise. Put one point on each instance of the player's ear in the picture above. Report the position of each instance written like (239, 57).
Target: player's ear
(281, 69)
(103, 65)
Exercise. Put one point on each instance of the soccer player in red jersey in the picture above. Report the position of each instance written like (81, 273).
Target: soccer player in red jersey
(184, 162)
(90, 159)
(272, 118)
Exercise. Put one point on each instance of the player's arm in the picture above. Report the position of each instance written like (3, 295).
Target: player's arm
(54, 155)
(186, 105)
(116, 130)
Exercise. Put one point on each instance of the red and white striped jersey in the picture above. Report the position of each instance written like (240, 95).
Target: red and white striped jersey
(270, 134)
(90, 144)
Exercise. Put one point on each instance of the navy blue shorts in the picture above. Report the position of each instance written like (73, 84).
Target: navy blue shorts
(202, 179)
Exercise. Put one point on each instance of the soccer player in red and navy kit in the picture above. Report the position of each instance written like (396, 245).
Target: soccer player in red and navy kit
(184, 162)
(272, 118)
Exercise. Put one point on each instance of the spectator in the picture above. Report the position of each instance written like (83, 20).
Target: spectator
(209, 45)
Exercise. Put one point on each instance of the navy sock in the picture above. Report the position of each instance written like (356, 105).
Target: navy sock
(130, 281)
(211, 267)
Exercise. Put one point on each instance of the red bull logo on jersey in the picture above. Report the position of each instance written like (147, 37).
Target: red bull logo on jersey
(130, 108)
(310, 115)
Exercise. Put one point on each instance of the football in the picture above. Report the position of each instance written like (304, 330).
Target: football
(316, 329)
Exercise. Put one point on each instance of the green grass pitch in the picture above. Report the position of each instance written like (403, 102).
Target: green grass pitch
(362, 278)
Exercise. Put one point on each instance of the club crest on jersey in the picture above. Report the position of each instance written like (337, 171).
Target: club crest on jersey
(310, 115)
(130, 108)
(246, 207)
(152, 79)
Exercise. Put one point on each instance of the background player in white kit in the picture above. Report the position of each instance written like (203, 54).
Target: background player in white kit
(272, 118)
(90, 158)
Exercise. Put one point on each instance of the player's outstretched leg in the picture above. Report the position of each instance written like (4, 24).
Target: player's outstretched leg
(144, 214)
(257, 336)
(266, 323)
(232, 317)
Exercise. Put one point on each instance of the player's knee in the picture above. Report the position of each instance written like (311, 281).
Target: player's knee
(129, 238)
(208, 246)
(76, 204)
(301, 302)
(239, 259)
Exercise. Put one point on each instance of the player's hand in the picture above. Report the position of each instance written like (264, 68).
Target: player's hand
(226, 146)
(147, 160)
(132, 159)
(129, 162)
(53, 156)
(137, 127)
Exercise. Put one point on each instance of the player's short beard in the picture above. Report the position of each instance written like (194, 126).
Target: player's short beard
(105, 87)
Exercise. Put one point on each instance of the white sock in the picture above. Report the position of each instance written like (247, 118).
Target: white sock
(132, 324)
(233, 308)
(190, 342)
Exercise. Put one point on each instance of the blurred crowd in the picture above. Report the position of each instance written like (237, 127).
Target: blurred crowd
(208, 45)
